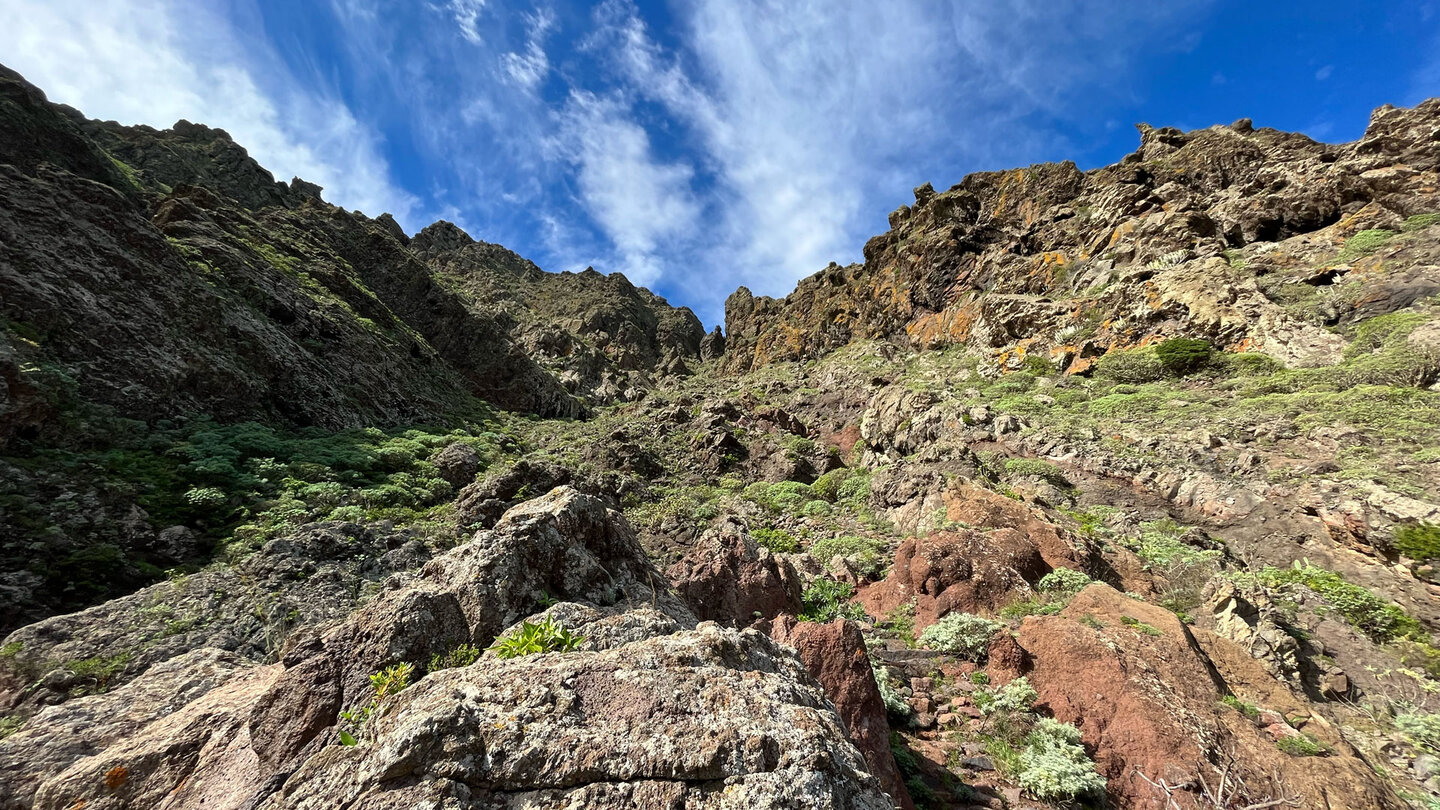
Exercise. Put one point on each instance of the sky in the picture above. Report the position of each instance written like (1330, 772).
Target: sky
(699, 146)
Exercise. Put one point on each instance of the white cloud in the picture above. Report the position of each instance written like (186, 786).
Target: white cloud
(528, 69)
(1324, 73)
(154, 62)
(467, 17)
(643, 204)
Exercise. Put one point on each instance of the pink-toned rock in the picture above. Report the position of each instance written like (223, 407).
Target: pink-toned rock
(835, 654)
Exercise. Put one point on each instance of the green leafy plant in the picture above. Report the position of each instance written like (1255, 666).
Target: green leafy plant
(1025, 467)
(865, 554)
(1063, 580)
(1421, 728)
(826, 600)
(1377, 618)
(1419, 222)
(1054, 765)
(1147, 629)
(1014, 697)
(895, 704)
(1363, 243)
(531, 638)
(462, 656)
(1181, 356)
(1250, 710)
(1302, 745)
(1418, 541)
(386, 683)
(777, 540)
(963, 634)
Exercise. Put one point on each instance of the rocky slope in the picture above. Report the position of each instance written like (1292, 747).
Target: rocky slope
(1110, 488)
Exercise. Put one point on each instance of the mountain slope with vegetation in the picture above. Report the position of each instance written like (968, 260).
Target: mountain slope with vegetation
(1108, 488)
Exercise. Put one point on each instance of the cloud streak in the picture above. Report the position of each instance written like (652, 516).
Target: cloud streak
(156, 62)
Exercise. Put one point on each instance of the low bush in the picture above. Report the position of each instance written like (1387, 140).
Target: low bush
(777, 540)
(1421, 728)
(1017, 696)
(895, 704)
(462, 656)
(1363, 243)
(963, 634)
(1418, 541)
(1054, 765)
(1063, 580)
(865, 554)
(1302, 745)
(1025, 467)
(1381, 620)
(1135, 366)
(1182, 356)
(386, 683)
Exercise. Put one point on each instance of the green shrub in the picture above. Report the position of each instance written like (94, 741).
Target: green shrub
(1147, 629)
(386, 683)
(1135, 366)
(1377, 618)
(1014, 697)
(544, 636)
(207, 498)
(1063, 580)
(462, 656)
(895, 704)
(1302, 745)
(1364, 243)
(1181, 356)
(816, 508)
(1418, 541)
(826, 600)
(1421, 728)
(1054, 765)
(777, 540)
(1250, 710)
(1419, 222)
(1024, 467)
(864, 553)
(1035, 606)
(963, 634)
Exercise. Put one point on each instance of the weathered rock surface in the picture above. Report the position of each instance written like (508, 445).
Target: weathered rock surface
(1147, 702)
(729, 578)
(835, 654)
(1135, 246)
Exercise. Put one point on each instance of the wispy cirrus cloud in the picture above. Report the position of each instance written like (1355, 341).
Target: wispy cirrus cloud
(156, 62)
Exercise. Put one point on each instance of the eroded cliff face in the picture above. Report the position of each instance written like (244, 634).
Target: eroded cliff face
(1194, 234)
(1086, 487)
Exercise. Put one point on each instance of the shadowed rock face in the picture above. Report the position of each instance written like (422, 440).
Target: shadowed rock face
(168, 273)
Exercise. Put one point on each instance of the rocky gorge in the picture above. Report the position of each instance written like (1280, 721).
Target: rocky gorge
(1108, 488)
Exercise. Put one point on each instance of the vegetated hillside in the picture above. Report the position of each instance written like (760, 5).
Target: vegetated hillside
(1110, 488)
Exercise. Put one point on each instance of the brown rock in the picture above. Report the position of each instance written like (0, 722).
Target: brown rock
(729, 578)
(835, 654)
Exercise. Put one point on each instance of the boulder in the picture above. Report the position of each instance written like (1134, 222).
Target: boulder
(835, 654)
(729, 578)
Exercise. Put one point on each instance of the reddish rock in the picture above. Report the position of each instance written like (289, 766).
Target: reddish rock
(1146, 700)
(728, 578)
(835, 654)
(964, 570)
(1007, 659)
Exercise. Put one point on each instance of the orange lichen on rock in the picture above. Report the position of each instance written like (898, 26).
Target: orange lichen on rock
(116, 776)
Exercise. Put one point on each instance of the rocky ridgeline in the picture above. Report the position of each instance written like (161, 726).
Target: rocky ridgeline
(1065, 265)
(1109, 488)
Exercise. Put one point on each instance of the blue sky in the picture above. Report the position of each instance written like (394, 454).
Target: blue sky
(702, 145)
